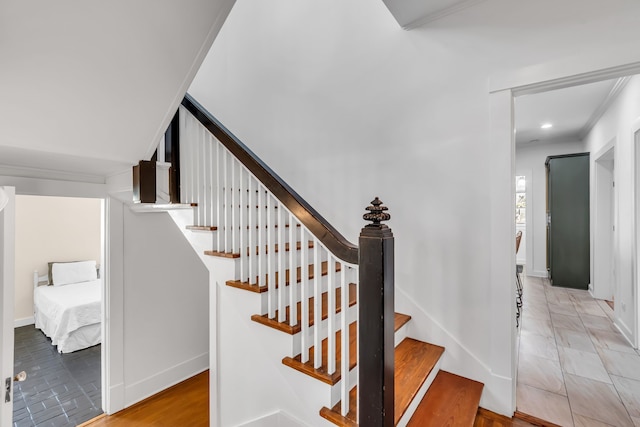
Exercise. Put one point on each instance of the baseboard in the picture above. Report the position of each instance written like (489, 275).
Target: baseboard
(538, 273)
(115, 400)
(276, 419)
(154, 384)
(24, 322)
(625, 331)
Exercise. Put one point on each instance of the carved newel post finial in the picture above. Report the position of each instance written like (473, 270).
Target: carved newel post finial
(376, 213)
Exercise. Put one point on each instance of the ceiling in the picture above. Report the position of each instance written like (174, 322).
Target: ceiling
(572, 111)
(413, 13)
(89, 87)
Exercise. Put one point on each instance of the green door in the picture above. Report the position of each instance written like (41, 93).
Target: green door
(568, 220)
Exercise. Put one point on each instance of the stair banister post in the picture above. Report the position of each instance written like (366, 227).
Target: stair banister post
(376, 320)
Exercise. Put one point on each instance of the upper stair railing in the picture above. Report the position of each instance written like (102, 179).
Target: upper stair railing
(281, 241)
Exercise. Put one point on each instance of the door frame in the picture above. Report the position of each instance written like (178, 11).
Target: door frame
(38, 187)
(503, 88)
(635, 246)
(7, 273)
(604, 219)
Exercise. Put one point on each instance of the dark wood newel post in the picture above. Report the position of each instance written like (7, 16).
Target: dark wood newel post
(376, 320)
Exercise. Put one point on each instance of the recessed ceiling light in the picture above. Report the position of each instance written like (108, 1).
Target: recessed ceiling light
(546, 126)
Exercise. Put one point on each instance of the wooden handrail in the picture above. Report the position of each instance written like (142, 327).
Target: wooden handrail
(315, 223)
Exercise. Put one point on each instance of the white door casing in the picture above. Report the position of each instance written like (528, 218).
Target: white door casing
(7, 266)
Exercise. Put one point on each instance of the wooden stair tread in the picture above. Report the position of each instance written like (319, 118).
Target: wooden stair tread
(286, 327)
(414, 361)
(266, 250)
(400, 320)
(201, 227)
(452, 400)
(321, 373)
(253, 287)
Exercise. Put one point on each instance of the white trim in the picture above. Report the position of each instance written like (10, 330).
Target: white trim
(162, 380)
(625, 331)
(538, 273)
(616, 62)
(18, 323)
(604, 106)
(41, 173)
(275, 419)
(635, 229)
(434, 16)
(608, 152)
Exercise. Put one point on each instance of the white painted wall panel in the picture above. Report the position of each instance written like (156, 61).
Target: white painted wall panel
(616, 124)
(345, 106)
(166, 306)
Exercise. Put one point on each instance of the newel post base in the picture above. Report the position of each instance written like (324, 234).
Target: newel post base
(376, 320)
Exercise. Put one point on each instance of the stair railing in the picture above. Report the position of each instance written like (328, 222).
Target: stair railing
(281, 241)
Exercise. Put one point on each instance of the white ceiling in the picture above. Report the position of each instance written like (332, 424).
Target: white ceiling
(413, 13)
(88, 87)
(572, 111)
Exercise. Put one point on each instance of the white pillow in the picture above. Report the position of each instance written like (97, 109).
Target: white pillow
(65, 273)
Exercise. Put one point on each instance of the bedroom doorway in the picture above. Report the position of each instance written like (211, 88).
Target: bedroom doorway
(61, 241)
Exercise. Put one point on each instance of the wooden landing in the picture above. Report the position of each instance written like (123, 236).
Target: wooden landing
(414, 361)
(452, 401)
(287, 328)
(253, 287)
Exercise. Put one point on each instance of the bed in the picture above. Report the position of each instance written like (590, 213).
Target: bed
(68, 305)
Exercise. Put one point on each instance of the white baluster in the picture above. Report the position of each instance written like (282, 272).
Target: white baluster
(271, 259)
(304, 297)
(202, 136)
(235, 203)
(317, 302)
(344, 343)
(331, 315)
(262, 235)
(219, 197)
(252, 230)
(227, 200)
(243, 231)
(293, 272)
(206, 196)
(282, 267)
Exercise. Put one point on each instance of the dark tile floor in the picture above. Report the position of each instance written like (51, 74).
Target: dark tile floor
(60, 389)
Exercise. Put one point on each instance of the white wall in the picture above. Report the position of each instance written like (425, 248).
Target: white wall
(159, 306)
(616, 124)
(530, 159)
(51, 229)
(345, 106)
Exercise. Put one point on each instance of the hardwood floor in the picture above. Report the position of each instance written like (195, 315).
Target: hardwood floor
(486, 418)
(185, 404)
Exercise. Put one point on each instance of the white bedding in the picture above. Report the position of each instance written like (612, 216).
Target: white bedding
(63, 313)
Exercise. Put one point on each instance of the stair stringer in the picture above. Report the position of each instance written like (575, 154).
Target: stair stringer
(458, 358)
(247, 377)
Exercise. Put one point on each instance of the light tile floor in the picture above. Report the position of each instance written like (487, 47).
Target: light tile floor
(574, 368)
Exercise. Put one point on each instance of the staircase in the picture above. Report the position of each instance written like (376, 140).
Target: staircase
(306, 278)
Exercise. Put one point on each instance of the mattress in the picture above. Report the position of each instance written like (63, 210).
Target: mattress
(70, 315)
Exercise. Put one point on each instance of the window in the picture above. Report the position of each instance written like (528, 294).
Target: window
(521, 200)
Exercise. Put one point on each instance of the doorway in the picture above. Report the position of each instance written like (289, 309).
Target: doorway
(603, 284)
(551, 76)
(64, 383)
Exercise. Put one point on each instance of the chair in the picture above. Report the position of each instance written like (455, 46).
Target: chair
(519, 269)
